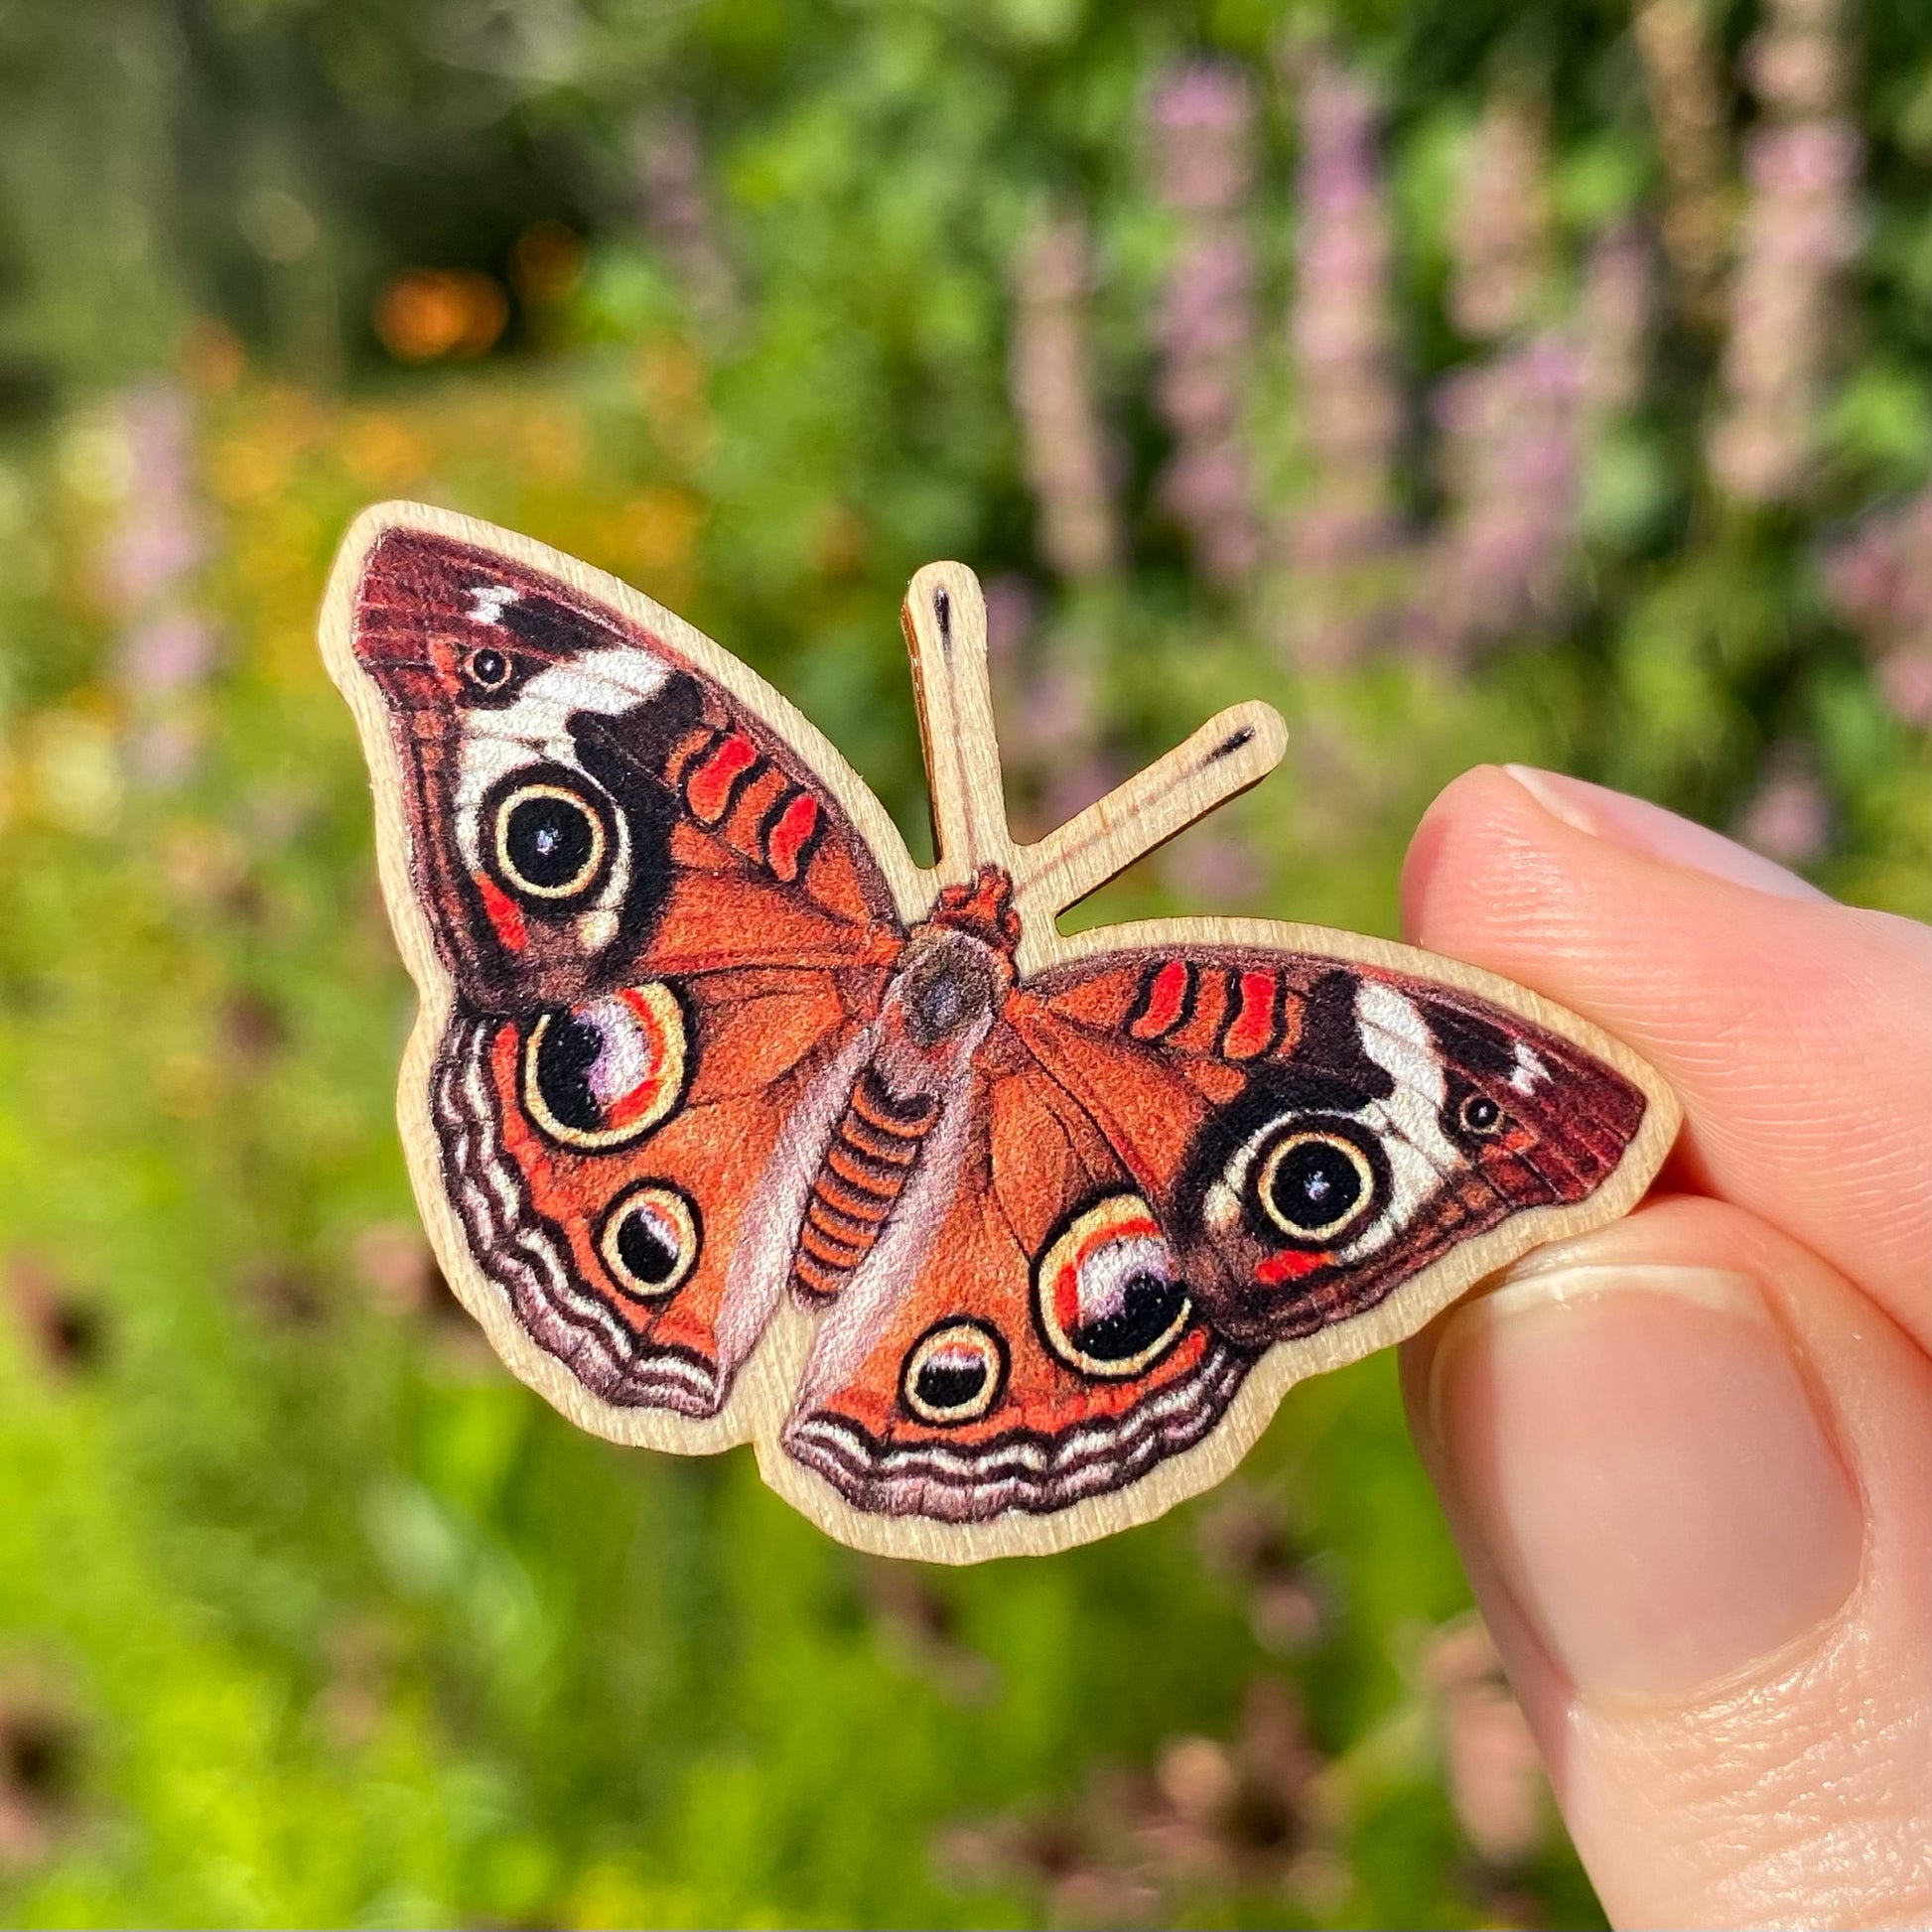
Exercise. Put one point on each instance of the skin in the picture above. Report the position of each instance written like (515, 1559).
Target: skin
(1689, 1459)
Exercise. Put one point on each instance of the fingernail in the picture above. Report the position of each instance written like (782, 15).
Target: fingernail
(1638, 1456)
(1649, 830)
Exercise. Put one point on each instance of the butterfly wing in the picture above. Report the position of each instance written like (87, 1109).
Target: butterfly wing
(649, 1268)
(586, 794)
(661, 933)
(1048, 1350)
(1318, 1132)
(1189, 1176)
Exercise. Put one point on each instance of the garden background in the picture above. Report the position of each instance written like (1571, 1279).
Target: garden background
(1544, 379)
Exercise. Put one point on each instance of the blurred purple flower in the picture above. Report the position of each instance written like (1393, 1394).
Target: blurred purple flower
(1339, 537)
(1881, 580)
(1201, 117)
(1064, 448)
(1615, 320)
(1214, 870)
(1905, 683)
(1512, 463)
(149, 552)
(1801, 228)
(1491, 1764)
(1788, 817)
(149, 555)
(157, 538)
(1012, 611)
(1688, 105)
(675, 207)
(1076, 781)
(1499, 232)
(162, 753)
(170, 652)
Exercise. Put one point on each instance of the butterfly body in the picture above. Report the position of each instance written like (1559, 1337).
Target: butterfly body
(731, 1123)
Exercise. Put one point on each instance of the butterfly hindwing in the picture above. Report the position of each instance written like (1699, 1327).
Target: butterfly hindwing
(1046, 1350)
(1175, 1160)
(630, 1230)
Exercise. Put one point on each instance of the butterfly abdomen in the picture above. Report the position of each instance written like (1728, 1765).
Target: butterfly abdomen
(867, 1164)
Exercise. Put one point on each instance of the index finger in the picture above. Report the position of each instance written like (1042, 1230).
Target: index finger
(1797, 1032)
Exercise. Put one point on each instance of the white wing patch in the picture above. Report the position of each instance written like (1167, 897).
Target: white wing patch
(487, 602)
(535, 729)
(1529, 1072)
(1396, 1036)
(1408, 1125)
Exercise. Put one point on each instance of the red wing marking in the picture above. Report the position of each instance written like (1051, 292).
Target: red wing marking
(1169, 993)
(505, 917)
(709, 788)
(796, 820)
(1256, 1024)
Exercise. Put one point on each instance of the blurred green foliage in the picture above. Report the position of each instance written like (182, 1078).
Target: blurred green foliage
(310, 1616)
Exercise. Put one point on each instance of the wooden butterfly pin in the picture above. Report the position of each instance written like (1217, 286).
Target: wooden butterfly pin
(729, 1123)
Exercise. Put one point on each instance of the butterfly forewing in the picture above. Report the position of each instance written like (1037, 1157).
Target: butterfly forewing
(1313, 1132)
(583, 800)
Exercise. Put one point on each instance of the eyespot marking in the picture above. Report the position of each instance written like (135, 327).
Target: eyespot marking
(1314, 1184)
(604, 1072)
(488, 668)
(1108, 1292)
(549, 842)
(954, 1374)
(650, 1241)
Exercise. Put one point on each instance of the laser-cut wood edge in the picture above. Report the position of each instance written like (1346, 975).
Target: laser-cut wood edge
(970, 826)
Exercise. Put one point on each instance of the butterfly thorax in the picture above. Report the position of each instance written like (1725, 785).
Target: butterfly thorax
(944, 994)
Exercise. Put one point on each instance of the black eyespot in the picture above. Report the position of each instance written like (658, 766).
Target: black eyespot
(550, 843)
(608, 1070)
(1314, 1181)
(1478, 1114)
(650, 1241)
(488, 668)
(1108, 1292)
(954, 1374)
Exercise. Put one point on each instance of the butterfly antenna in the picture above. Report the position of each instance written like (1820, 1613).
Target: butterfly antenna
(944, 617)
(1235, 750)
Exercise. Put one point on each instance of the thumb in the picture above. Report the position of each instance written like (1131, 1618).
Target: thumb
(1684, 1463)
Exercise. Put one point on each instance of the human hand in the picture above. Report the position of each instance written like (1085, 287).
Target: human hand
(1688, 1458)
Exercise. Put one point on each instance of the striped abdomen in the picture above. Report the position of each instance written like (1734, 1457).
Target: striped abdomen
(865, 1170)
